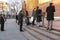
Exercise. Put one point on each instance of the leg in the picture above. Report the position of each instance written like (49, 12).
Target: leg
(43, 22)
(51, 24)
(48, 24)
(37, 24)
(21, 26)
(2, 27)
(28, 21)
(16, 20)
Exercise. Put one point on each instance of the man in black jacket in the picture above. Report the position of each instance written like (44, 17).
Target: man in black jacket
(50, 15)
(20, 19)
(2, 22)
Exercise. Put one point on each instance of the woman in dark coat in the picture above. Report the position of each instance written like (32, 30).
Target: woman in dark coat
(50, 15)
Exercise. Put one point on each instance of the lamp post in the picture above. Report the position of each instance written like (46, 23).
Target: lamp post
(2, 8)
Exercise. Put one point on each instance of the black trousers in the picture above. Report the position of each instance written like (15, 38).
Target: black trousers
(2, 26)
(21, 23)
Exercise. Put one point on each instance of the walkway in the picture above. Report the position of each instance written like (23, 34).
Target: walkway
(11, 32)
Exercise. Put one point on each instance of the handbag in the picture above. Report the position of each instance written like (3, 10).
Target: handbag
(31, 19)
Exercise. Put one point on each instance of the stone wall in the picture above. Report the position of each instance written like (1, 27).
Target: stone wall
(57, 7)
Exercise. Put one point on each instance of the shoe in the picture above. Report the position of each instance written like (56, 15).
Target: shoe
(21, 31)
(51, 29)
(2, 30)
(48, 28)
(40, 25)
(33, 24)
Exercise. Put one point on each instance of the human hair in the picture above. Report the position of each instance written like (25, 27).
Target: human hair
(51, 4)
(37, 7)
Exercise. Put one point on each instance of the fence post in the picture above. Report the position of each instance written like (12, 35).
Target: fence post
(43, 19)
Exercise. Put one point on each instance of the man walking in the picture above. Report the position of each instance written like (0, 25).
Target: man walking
(50, 15)
(20, 19)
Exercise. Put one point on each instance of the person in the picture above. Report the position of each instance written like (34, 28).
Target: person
(50, 15)
(27, 18)
(34, 15)
(2, 22)
(16, 18)
(20, 19)
(4, 17)
(38, 16)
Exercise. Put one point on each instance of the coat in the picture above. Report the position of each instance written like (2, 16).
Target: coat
(1, 20)
(50, 12)
(20, 17)
(34, 13)
(39, 15)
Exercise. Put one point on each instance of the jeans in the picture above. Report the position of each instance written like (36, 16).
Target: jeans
(37, 24)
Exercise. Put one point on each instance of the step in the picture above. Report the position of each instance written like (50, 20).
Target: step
(47, 34)
(28, 36)
(53, 31)
(37, 35)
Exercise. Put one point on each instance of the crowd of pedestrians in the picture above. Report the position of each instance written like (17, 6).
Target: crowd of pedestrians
(37, 14)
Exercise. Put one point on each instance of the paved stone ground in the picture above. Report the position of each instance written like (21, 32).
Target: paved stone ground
(11, 32)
